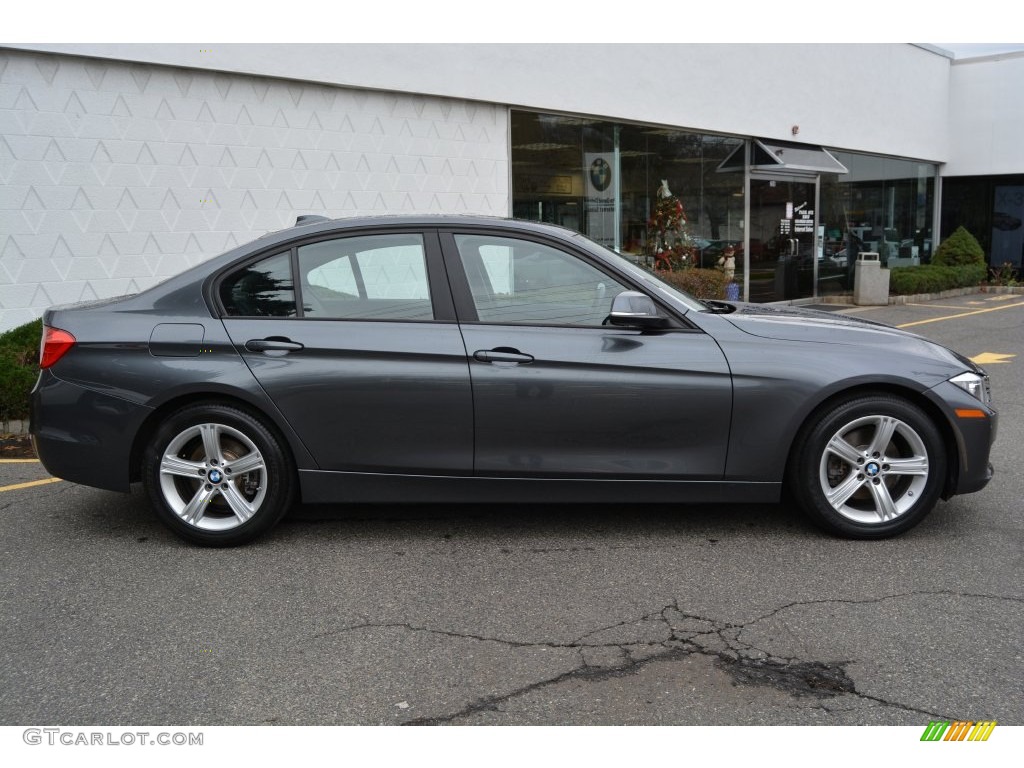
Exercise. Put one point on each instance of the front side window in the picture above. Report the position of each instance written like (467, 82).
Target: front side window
(523, 282)
(375, 277)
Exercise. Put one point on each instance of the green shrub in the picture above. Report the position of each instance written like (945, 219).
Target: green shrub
(699, 283)
(958, 249)
(932, 278)
(1005, 274)
(19, 366)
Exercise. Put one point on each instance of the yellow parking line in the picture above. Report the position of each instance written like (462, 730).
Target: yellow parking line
(962, 314)
(34, 483)
(937, 306)
(19, 461)
(1006, 297)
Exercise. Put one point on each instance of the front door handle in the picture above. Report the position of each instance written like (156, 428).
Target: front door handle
(502, 355)
(273, 344)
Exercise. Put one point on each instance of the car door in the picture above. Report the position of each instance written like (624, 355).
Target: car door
(354, 339)
(556, 392)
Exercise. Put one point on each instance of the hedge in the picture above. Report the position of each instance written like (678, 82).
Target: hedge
(932, 278)
(699, 283)
(19, 366)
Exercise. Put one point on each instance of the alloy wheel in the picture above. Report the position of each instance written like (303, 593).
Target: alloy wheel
(874, 469)
(213, 477)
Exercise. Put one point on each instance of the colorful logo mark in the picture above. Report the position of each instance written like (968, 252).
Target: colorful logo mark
(958, 730)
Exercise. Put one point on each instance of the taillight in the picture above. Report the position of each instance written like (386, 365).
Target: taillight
(56, 343)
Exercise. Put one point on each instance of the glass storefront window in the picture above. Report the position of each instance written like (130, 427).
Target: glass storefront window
(603, 179)
(992, 209)
(662, 197)
(883, 205)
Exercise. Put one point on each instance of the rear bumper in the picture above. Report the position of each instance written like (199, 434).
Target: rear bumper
(81, 435)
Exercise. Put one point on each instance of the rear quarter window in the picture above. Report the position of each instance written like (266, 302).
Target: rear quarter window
(263, 289)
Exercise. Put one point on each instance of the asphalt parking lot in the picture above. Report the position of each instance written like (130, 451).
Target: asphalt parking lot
(528, 614)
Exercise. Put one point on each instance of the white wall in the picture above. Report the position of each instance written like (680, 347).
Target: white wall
(986, 116)
(882, 98)
(114, 175)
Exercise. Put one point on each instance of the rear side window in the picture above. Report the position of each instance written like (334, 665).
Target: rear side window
(263, 289)
(374, 277)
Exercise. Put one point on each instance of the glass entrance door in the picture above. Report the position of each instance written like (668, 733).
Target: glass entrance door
(782, 261)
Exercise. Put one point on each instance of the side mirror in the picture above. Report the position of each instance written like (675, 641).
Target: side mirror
(632, 309)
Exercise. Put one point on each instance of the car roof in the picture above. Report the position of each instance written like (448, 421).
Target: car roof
(322, 225)
(421, 219)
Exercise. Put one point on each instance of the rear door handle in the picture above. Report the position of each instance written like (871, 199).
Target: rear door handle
(273, 344)
(502, 355)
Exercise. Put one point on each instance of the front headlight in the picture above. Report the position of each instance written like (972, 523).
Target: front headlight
(974, 384)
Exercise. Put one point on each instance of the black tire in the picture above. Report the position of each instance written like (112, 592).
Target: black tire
(217, 476)
(869, 467)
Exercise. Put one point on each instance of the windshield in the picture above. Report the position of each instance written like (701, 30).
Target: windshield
(651, 279)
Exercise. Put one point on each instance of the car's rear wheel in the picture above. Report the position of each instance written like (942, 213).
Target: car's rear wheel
(217, 475)
(868, 467)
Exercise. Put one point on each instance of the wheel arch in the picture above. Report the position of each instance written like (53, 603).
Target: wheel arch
(289, 442)
(949, 438)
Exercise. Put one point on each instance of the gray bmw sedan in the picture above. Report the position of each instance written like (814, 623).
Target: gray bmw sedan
(448, 359)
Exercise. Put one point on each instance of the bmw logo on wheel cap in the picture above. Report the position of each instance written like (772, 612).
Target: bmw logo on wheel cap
(215, 476)
(871, 469)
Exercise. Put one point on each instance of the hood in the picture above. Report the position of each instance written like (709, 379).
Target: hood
(790, 323)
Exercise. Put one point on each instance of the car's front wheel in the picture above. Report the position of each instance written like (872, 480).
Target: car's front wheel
(217, 476)
(869, 467)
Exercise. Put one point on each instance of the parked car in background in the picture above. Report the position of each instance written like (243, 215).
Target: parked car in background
(465, 359)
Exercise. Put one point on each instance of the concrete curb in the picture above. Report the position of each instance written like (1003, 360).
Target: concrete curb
(916, 298)
(13, 427)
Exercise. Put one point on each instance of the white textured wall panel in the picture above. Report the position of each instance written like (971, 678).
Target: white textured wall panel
(890, 98)
(987, 116)
(114, 175)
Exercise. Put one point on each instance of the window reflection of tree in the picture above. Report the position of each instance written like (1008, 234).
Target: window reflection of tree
(259, 292)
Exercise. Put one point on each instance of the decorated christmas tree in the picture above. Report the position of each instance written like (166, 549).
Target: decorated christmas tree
(668, 235)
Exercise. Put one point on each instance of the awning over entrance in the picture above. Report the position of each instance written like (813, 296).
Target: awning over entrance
(784, 156)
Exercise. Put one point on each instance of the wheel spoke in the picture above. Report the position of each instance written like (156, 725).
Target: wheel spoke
(844, 450)
(172, 465)
(915, 465)
(884, 429)
(884, 506)
(248, 463)
(196, 508)
(837, 496)
(211, 442)
(242, 509)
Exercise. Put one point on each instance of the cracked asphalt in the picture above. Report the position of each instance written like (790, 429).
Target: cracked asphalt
(525, 615)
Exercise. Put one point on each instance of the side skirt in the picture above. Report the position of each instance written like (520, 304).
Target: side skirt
(320, 487)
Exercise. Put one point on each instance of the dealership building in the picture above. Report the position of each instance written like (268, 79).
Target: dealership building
(123, 164)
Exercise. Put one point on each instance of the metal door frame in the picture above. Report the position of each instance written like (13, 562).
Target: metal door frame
(801, 178)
